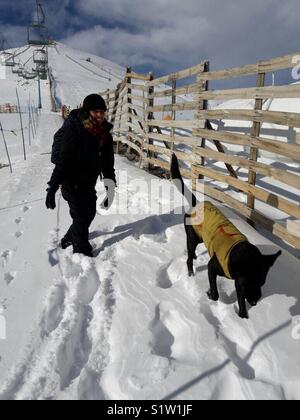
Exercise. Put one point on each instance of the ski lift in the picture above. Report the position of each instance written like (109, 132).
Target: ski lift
(29, 75)
(16, 69)
(42, 70)
(43, 75)
(7, 59)
(38, 36)
(38, 31)
(40, 56)
(20, 70)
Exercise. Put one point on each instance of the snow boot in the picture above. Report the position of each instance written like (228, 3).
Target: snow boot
(65, 242)
(86, 250)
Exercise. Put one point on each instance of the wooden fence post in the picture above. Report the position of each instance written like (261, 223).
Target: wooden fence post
(202, 106)
(21, 122)
(6, 148)
(115, 110)
(107, 99)
(173, 131)
(129, 109)
(150, 116)
(255, 132)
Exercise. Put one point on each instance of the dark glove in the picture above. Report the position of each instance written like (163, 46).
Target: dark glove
(50, 198)
(108, 200)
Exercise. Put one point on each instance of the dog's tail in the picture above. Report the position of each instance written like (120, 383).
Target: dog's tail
(178, 181)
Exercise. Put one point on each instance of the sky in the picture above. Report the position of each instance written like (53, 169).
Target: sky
(164, 35)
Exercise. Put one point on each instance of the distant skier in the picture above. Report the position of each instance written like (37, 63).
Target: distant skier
(82, 151)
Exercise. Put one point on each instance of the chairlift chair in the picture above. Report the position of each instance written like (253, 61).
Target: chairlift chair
(38, 31)
(40, 56)
(38, 35)
(20, 70)
(16, 69)
(29, 75)
(7, 59)
(43, 75)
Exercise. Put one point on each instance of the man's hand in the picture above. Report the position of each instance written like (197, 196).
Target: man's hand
(50, 198)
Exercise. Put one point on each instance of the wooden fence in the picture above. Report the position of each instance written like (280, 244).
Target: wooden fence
(155, 117)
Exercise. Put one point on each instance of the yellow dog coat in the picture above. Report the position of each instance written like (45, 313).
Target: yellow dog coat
(218, 233)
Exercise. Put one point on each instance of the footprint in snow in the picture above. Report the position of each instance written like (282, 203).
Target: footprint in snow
(19, 220)
(18, 234)
(9, 278)
(25, 209)
(5, 256)
(162, 339)
(163, 278)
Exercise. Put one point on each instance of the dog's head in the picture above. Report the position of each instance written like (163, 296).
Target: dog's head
(256, 277)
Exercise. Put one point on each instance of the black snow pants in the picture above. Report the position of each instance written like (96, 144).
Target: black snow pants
(82, 204)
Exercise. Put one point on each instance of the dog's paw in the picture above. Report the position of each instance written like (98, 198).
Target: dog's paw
(213, 296)
(243, 315)
(191, 274)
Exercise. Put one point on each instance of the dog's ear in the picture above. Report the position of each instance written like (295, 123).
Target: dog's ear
(270, 259)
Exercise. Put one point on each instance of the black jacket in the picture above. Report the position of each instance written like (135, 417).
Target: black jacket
(82, 157)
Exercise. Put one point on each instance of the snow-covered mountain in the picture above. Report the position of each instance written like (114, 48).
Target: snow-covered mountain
(128, 324)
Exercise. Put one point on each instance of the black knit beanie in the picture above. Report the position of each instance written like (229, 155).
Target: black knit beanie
(93, 102)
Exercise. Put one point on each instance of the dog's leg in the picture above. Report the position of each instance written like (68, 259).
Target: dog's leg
(240, 290)
(214, 269)
(192, 242)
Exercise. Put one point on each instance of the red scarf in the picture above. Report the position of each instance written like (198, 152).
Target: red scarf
(95, 129)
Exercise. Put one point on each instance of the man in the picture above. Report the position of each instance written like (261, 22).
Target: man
(83, 151)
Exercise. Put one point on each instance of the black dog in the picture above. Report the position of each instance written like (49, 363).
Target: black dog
(247, 266)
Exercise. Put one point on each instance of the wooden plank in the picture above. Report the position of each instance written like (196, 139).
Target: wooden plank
(290, 119)
(255, 132)
(187, 140)
(222, 153)
(136, 76)
(135, 127)
(185, 90)
(191, 71)
(137, 87)
(298, 138)
(262, 195)
(285, 177)
(264, 66)
(273, 146)
(164, 165)
(274, 227)
(137, 138)
(138, 98)
(138, 118)
(187, 106)
(293, 227)
(132, 146)
(135, 106)
(119, 114)
(286, 91)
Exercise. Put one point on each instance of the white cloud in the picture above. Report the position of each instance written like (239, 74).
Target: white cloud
(169, 34)
(165, 35)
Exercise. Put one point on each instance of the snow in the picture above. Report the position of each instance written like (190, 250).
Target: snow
(128, 324)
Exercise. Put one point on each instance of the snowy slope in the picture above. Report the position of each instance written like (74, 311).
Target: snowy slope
(128, 324)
